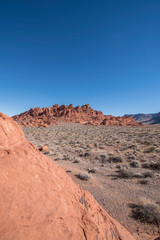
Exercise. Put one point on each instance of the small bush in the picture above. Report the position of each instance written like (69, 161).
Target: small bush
(57, 159)
(125, 173)
(146, 165)
(138, 175)
(148, 174)
(135, 164)
(76, 161)
(116, 159)
(149, 150)
(47, 152)
(66, 158)
(152, 165)
(93, 170)
(144, 181)
(83, 176)
(105, 160)
(87, 154)
(103, 156)
(155, 165)
(147, 143)
(147, 211)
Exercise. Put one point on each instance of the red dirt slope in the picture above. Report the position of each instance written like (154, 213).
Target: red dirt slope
(42, 117)
(40, 201)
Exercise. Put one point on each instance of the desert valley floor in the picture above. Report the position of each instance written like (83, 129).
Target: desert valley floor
(118, 165)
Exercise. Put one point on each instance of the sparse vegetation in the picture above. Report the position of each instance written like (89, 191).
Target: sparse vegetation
(125, 173)
(83, 176)
(152, 165)
(116, 159)
(148, 174)
(144, 181)
(136, 164)
(138, 175)
(147, 211)
(124, 168)
(149, 150)
(93, 170)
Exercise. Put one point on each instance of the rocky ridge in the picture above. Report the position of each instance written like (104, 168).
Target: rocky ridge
(43, 117)
(40, 201)
(148, 119)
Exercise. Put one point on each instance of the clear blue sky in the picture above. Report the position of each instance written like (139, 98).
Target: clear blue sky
(102, 52)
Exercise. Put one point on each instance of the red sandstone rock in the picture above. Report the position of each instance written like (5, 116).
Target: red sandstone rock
(85, 115)
(120, 121)
(40, 201)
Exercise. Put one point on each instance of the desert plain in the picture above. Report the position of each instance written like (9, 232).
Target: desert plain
(119, 166)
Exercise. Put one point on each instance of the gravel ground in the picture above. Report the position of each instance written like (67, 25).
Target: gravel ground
(97, 159)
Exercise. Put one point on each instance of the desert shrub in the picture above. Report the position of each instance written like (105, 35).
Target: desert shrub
(87, 154)
(147, 143)
(138, 175)
(66, 158)
(135, 164)
(146, 165)
(105, 160)
(47, 152)
(103, 156)
(116, 159)
(152, 165)
(125, 173)
(83, 176)
(149, 150)
(131, 157)
(157, 150)
(144, 181)
(155, 165)
(148, 174)
(57, 159)
(147, 211)
(76, 161)
(93, 170)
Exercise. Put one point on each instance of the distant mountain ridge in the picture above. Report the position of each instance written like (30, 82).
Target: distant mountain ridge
(151, 118)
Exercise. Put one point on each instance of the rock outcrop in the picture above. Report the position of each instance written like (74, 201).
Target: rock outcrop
(43, 117)
(120, 121)
(40, 201)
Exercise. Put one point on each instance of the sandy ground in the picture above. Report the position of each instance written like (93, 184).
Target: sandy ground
(100, 152)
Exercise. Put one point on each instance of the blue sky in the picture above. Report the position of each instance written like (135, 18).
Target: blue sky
(105, 53)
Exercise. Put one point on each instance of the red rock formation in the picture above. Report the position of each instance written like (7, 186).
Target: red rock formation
(119, 121)
(40, 201)
(85, 115)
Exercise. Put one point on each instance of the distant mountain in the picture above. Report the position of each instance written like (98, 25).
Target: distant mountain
(151, 118)
(156, 119)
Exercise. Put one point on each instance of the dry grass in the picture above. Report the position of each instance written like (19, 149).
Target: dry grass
(147, 211)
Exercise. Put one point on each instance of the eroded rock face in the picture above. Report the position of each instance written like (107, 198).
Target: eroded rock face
(40, 201)
(42, 117)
